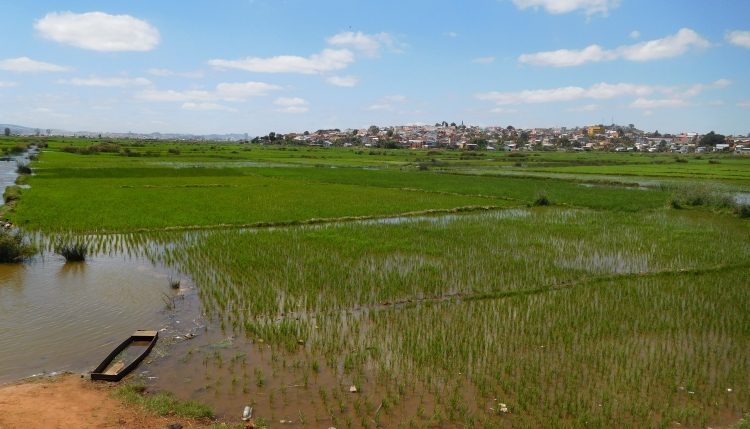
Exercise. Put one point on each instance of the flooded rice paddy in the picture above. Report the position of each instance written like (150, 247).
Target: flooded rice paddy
(513, 318)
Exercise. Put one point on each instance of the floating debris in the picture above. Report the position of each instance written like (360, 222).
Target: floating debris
(247, 414)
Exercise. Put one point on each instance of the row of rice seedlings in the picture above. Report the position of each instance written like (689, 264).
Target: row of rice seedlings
(629, 352)
(268, 273)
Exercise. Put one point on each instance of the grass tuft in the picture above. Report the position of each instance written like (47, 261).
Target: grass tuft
(72, 251)
(541, 198)
(163, 403)
(14, 248)
(22, 167)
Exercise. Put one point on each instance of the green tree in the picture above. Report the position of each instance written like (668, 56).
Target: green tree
(373, 129)
(389, 133)
(271, 136)
(7, 131)
(480, 142)
(712, 139)
(453, 124)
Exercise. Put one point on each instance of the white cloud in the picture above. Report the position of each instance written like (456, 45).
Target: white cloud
(394, 98)
(501, 110)
(121, 82)
(451, 34)
(739, 38)
(599, 91)
(27, 65)
(485, 60)
(224, 91)
(98, 31)
(368, 44)
(207, 106)
(7, 84)
(284, 101)
(643, 103)
(635, 34)
(586, 108)
(648, 113)
(165, 73)
(564, 6)
(380, 107)
(327, 60)
(347, 81)
(291, 105)
(668, 47)
(743, 104)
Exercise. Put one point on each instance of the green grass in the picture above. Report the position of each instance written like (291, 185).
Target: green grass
(162, 403)
(605, 309)
(126, 199)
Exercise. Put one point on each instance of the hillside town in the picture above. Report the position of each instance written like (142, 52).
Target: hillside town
(614, 138)
(469, 137)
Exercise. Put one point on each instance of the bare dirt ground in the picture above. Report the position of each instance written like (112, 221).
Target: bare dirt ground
(68, 401)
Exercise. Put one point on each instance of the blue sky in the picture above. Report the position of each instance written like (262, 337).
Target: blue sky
(235, 66)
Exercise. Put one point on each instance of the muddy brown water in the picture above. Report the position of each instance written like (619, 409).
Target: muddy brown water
(69, 316)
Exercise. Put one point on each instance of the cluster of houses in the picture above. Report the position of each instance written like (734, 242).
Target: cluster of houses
(598, 137)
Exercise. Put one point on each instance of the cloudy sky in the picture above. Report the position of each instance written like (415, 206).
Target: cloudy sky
(255, 66)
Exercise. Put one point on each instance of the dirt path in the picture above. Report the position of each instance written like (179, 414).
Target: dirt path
(68, 401)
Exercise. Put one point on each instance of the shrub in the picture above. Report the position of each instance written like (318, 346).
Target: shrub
(702, 194)
(70, 149)
(14, 247)
(743, 210)
(541, 198)
(72, 252)
(22, 167)
(714, 161)
(434, 152)
(20, 147)
(682, 160)
(175, 150)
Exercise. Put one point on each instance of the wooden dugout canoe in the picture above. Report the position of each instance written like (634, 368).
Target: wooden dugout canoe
(126, 357)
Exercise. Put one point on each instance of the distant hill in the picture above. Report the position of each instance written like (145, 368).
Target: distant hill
(18, 129)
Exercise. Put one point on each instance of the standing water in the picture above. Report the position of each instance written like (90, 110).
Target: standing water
(56, 315)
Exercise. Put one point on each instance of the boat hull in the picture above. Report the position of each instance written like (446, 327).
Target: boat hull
(147, 337)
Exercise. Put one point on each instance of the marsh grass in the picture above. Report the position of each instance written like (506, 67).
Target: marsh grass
(12, 193)
(701, 194)
(162, 403)
(22, 167)
(72, 251)
(15, 247)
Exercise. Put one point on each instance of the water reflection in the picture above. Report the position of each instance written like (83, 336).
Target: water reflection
(55, 314)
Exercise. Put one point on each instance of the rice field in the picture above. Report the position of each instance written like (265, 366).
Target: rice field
(568, 318)
(385, 295)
